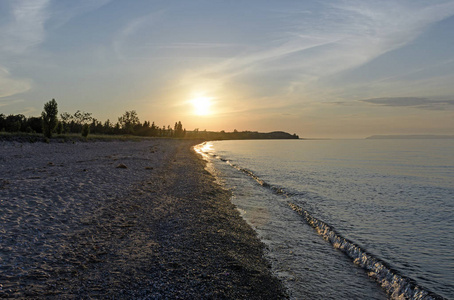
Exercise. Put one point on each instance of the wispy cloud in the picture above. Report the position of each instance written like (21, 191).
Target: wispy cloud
(29, 110)
(10, 102)
(346, 35)
(26, 28)
(122, 43)
(417, 102)
(10, 85)
(64, 11)
(29, 20)
(190, 45)
(293, 61)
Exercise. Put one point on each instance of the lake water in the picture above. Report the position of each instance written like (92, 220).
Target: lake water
(355, 219)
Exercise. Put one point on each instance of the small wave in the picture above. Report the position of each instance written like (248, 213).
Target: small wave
(277, 190)
(396, 285)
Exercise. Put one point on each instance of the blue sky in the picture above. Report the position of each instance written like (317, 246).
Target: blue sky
(315, 68)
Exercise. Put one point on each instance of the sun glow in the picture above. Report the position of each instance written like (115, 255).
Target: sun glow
(201, 105)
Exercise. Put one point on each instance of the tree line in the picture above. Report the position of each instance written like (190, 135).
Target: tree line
(84, 123)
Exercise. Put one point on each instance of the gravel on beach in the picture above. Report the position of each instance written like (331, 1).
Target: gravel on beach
(123, 219)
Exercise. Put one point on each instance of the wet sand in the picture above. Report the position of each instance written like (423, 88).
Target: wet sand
(119, 219)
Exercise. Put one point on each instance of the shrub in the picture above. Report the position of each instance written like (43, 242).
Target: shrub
(85, 130)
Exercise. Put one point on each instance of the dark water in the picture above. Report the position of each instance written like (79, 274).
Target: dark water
(362, 219)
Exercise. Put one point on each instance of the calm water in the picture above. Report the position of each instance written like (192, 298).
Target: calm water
(363, 219)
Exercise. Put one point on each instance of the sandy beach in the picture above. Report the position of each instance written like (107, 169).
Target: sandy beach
(141, 220)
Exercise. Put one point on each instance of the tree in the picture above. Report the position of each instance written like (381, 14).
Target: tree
(85, 130)
(95, 126)
(82, 117)
(35, 124)
(60, 128)
(2, 122)
(128, 120)
(66, 119)
(154, 129)
(178, 130)
(14, 122)
(49, 117)
(107, 127)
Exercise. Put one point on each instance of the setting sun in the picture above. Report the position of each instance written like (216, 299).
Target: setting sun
(201, 105)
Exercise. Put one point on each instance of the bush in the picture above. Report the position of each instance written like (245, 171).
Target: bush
(85, 130)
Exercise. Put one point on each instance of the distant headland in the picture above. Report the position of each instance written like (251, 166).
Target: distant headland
(241, 135)
(410, 137)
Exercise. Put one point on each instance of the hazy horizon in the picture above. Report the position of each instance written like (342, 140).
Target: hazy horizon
(332, 69)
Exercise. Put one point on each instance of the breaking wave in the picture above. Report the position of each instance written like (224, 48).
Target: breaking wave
(397, 286)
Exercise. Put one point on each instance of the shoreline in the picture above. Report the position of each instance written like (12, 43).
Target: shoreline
(159, 228)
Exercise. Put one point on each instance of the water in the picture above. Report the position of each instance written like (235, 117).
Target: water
(357, 219)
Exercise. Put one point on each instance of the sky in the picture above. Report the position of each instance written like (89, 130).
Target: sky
(320, 69)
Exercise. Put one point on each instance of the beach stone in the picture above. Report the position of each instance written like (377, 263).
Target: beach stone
(104, 234)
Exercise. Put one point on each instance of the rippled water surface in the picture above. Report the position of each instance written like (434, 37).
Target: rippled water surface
(386, 204)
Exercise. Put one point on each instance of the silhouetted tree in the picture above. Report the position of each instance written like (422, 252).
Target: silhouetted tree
(2, 122)
(178, 130)
(117, 128)
(66, 119)
(14, 123)
(60, 127)
(153, 129)
(128, 120)
(108, 127)
(85, 130)
(96, 126)
(34, 124)
(82, 117)
(49, 117)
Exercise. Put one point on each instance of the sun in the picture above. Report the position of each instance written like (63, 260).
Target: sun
(201, 105)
